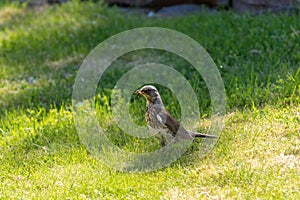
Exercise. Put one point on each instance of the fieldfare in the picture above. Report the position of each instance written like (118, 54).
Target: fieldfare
(159, 119)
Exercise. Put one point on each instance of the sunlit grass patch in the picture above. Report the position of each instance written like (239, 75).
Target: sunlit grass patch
(8, 13)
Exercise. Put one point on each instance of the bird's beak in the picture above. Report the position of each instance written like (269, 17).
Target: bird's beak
(138, 92)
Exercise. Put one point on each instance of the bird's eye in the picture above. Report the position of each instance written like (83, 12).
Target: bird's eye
(146, 91)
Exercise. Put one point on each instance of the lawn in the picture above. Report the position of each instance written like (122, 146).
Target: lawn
(41, 156)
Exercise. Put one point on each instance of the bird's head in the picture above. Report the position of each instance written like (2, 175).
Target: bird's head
(150, 93)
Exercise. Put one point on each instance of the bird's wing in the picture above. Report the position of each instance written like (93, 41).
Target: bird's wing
(174, 126)
(167, 120)
(160, 119)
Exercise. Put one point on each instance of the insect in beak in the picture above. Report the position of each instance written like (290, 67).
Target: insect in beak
(138, 92)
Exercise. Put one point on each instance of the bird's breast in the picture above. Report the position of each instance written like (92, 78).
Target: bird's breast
(152, 120)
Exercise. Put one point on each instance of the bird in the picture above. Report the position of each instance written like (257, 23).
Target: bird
(160, 120)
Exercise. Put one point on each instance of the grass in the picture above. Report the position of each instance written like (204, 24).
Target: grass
(257, 155)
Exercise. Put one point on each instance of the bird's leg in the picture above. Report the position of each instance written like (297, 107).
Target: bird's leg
(161, 139)
(162, 143)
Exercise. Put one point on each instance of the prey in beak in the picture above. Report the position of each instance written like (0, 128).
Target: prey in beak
(139, 93)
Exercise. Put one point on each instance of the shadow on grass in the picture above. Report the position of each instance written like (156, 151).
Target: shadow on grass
(40, 58)
(49, 46)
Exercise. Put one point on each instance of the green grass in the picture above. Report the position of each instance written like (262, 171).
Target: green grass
(41, 156)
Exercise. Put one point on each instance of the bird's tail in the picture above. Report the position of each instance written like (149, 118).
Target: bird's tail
(201, 135)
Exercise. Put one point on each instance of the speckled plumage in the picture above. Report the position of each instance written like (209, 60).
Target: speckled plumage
(158, 118)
